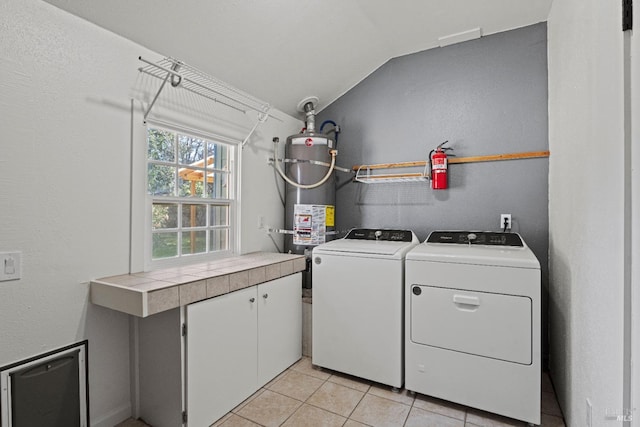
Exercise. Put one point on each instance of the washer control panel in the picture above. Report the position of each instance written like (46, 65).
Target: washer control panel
(380, 234)
(487, 238)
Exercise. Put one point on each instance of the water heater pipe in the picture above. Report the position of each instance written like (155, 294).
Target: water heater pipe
(311, 117)
(298, 185)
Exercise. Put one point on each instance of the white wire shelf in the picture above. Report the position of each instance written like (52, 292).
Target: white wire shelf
(380, 179)
(193, 80)
(364, 174)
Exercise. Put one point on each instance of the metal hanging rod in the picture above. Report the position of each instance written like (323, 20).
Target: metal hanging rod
(193, 80)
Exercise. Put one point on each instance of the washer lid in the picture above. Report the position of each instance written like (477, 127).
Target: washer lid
(478, 254)
(355, 246)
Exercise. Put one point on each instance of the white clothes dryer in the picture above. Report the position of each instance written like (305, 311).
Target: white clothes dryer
(357, 310)
(473, 322)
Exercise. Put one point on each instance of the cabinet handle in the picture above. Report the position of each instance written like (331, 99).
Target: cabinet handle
(466, 300)
(252, 300)
(265, 296)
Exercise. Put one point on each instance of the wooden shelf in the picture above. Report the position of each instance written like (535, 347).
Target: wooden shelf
(499, 157)
(364, 175)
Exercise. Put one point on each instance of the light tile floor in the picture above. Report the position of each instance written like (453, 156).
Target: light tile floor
(304, 396)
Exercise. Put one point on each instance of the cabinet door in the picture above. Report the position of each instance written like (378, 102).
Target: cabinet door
(221, 355)
(279, 326)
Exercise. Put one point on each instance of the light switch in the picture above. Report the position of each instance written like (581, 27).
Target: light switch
(10, 266)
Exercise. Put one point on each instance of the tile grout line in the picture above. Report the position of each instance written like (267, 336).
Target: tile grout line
(354, 408)
(330, 374)
(360, 401)
(326, 381)
(302, 402)
(315, 391)
(348, 417)
(406, 418)
(291, 415)
(368, 392)
(464, 418)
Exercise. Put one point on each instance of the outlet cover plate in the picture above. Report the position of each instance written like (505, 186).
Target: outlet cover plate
(502, 219)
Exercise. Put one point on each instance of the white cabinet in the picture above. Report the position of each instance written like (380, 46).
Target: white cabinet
(279, 326)
(234, 344)
(238, 342)
(221, 354)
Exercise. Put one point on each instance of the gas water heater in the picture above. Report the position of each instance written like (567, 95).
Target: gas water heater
(310, 187)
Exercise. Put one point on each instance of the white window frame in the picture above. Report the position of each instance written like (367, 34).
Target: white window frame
(233, 201)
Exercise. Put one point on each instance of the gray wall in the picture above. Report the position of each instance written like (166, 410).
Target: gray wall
(486, 96)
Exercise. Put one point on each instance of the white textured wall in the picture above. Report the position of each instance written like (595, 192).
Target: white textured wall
(635, 185)
(65, 87)
(260, 196)
(586, 206)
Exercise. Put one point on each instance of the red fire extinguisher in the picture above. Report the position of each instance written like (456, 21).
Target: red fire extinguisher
(438, 159)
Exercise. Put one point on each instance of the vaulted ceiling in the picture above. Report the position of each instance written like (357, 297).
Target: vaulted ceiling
(285, 50)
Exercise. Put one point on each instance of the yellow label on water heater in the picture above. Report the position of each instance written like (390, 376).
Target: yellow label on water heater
(330, 216)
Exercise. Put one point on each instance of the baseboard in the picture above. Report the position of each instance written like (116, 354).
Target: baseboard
(113, 418)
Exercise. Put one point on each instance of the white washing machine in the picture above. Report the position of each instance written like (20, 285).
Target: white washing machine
(473, 322)
(358, 298)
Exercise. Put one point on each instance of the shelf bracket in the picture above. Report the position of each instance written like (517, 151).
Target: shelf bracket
(262, 117)
(174, 68)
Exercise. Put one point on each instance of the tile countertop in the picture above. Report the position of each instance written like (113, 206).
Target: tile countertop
(144, 294)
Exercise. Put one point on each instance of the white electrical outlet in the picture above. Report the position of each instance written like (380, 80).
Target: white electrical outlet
(10, 266)
(589, 413)
(505, 219)
(260, 222)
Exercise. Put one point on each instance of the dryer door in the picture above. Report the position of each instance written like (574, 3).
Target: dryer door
(479, 323)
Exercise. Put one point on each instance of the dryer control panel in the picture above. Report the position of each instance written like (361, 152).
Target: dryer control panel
(488, 238)
(379, 234)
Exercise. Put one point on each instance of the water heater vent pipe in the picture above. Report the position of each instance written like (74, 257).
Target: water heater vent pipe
(311, 117)
(307, 106)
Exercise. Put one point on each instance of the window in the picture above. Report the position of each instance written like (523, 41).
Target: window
(190, 188)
